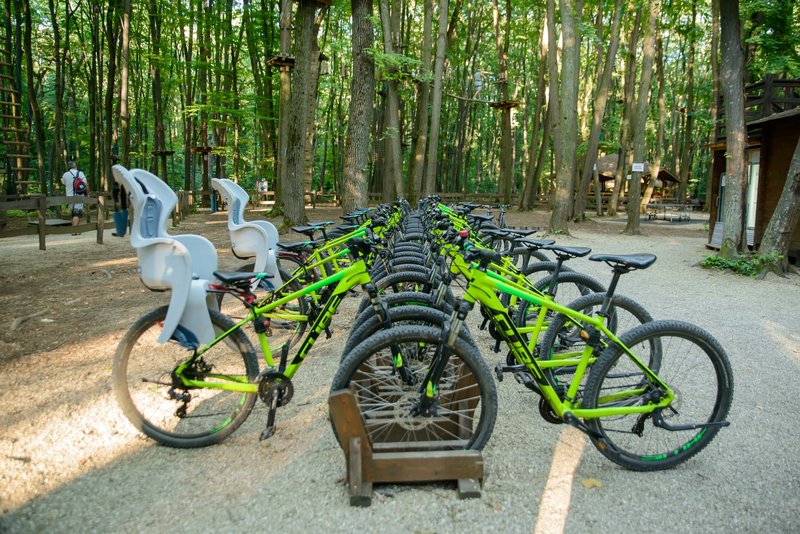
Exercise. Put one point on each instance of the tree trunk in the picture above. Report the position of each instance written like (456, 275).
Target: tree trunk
(785, 217)
(124, 113)
(429, 186)
(732, 76)
(293, 197)
(33, 103)
(686, 149)
(600, 100)
(566, 137)
(530, 186)
(392, 124)
(284, 98)
(58, 164)
(313, 99)
(655, 168)
(639, 127)
(355, 177)
(506, 149)
(159, 139)
(417, 163)
(630, 82)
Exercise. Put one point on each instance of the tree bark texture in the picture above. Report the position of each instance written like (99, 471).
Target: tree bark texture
(600, 101)
(567, 135)
(436, 109)
(392, 124)
(355, 178)
(293, 195)
(784, 219)
(416, 166)
(502, 30)
(639, 127)
(734, 238)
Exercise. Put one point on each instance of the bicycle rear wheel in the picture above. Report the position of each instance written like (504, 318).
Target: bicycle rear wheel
(563, 340)
(175, 415)
(467, 398)
(692, 364)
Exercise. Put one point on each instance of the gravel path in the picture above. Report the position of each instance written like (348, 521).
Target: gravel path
(69, 461)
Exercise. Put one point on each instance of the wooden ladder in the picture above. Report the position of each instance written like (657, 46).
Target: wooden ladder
(14, 132)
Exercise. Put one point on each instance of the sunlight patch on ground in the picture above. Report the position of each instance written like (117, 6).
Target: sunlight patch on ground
(114, 263)
(93, 434)
(789, 342)
(554, 506)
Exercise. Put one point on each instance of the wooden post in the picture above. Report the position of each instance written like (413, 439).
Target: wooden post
(42, 201)
(101, 217)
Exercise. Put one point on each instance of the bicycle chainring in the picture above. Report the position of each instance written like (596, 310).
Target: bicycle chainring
(547, 412)
(272, 384)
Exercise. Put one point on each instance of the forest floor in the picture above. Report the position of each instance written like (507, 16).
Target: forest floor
(70, 461)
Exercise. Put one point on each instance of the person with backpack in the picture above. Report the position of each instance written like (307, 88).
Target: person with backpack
(76, 185)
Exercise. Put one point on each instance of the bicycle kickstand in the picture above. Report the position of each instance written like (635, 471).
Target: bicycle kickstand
(270, 430)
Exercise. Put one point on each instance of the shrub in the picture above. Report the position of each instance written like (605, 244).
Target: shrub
(749, 265)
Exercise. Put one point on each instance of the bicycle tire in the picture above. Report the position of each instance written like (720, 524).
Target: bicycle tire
(684, 349)
(571, 285)
(467, 394)
(400, 315)
(404, 281)
(141, 377)
(563, 333)
(403, 298)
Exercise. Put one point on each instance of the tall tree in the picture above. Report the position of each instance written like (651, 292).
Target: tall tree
(566, 138)
(416, 167)
(734, 238)
(506, 149)
(293, 194)
(124, 113)
(436, 109)
(355, 180)
(640, 123)
(785, 217)
(627, 110)
(688, 110)
(392, 124)
(33, 102)
(600, 99)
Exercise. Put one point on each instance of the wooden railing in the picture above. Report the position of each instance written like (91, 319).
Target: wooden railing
(763, 99)
(94, 206)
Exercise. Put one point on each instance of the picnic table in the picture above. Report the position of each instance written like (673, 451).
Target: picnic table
(668, 211)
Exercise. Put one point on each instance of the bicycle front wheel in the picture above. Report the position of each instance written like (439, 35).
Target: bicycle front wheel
(692, 363)
(467, 398)
(168, 412)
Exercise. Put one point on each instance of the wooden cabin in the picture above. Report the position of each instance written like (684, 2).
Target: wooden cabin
(666, 181)
(772, 112)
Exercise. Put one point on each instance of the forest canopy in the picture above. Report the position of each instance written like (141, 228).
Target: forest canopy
(170, 85)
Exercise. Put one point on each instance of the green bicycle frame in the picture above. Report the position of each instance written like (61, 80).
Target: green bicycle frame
(482, 288)
(345, 280)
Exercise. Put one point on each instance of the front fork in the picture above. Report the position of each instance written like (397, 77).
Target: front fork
(386, 322)
(428, 405)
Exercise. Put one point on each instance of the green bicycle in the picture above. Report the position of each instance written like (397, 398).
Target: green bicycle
(184, 394)
(649, 399)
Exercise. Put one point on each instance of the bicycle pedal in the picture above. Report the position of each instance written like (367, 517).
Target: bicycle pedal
(498, 370)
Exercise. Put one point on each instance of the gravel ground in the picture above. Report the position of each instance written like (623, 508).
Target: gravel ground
(69, 460)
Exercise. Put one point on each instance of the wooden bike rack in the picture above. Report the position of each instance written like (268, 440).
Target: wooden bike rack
(389, 463)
